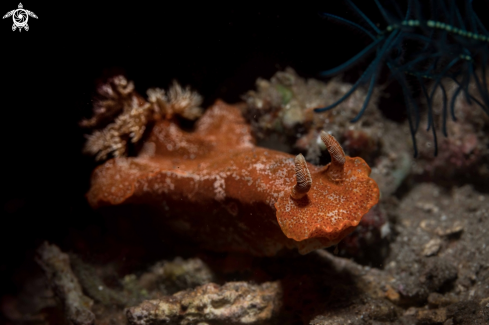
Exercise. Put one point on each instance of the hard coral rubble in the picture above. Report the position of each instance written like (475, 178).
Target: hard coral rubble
(131, 113)
(93, 285)
(233, 303)
(70, 277)
(244, 190)
(282, 108)
(65, 285)
(163, 278)
(176, 275)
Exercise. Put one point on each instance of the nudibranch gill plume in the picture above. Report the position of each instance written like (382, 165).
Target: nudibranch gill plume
(214, 187)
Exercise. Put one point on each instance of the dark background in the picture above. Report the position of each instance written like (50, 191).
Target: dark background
(49, 74)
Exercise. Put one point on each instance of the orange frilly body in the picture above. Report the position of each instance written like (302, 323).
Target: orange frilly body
(214, 187)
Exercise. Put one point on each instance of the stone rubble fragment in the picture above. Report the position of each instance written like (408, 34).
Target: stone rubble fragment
(65, 285)
(233, 303)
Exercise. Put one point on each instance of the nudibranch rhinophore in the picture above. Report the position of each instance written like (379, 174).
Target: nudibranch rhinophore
(340, 195)
(213, 186)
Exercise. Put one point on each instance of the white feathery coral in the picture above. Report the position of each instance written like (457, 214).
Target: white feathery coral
(131, 124)
(184, 102)
(159, 101)
(125, 114)
(179, 101)
(113, 95)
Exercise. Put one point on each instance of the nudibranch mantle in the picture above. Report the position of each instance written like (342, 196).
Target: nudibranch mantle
(215, 187)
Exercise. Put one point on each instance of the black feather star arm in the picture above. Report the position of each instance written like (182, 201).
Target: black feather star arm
(448, 41)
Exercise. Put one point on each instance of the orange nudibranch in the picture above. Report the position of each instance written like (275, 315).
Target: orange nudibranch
(213, 186)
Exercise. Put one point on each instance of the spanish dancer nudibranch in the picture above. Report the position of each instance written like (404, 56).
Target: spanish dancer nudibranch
(216, 188)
